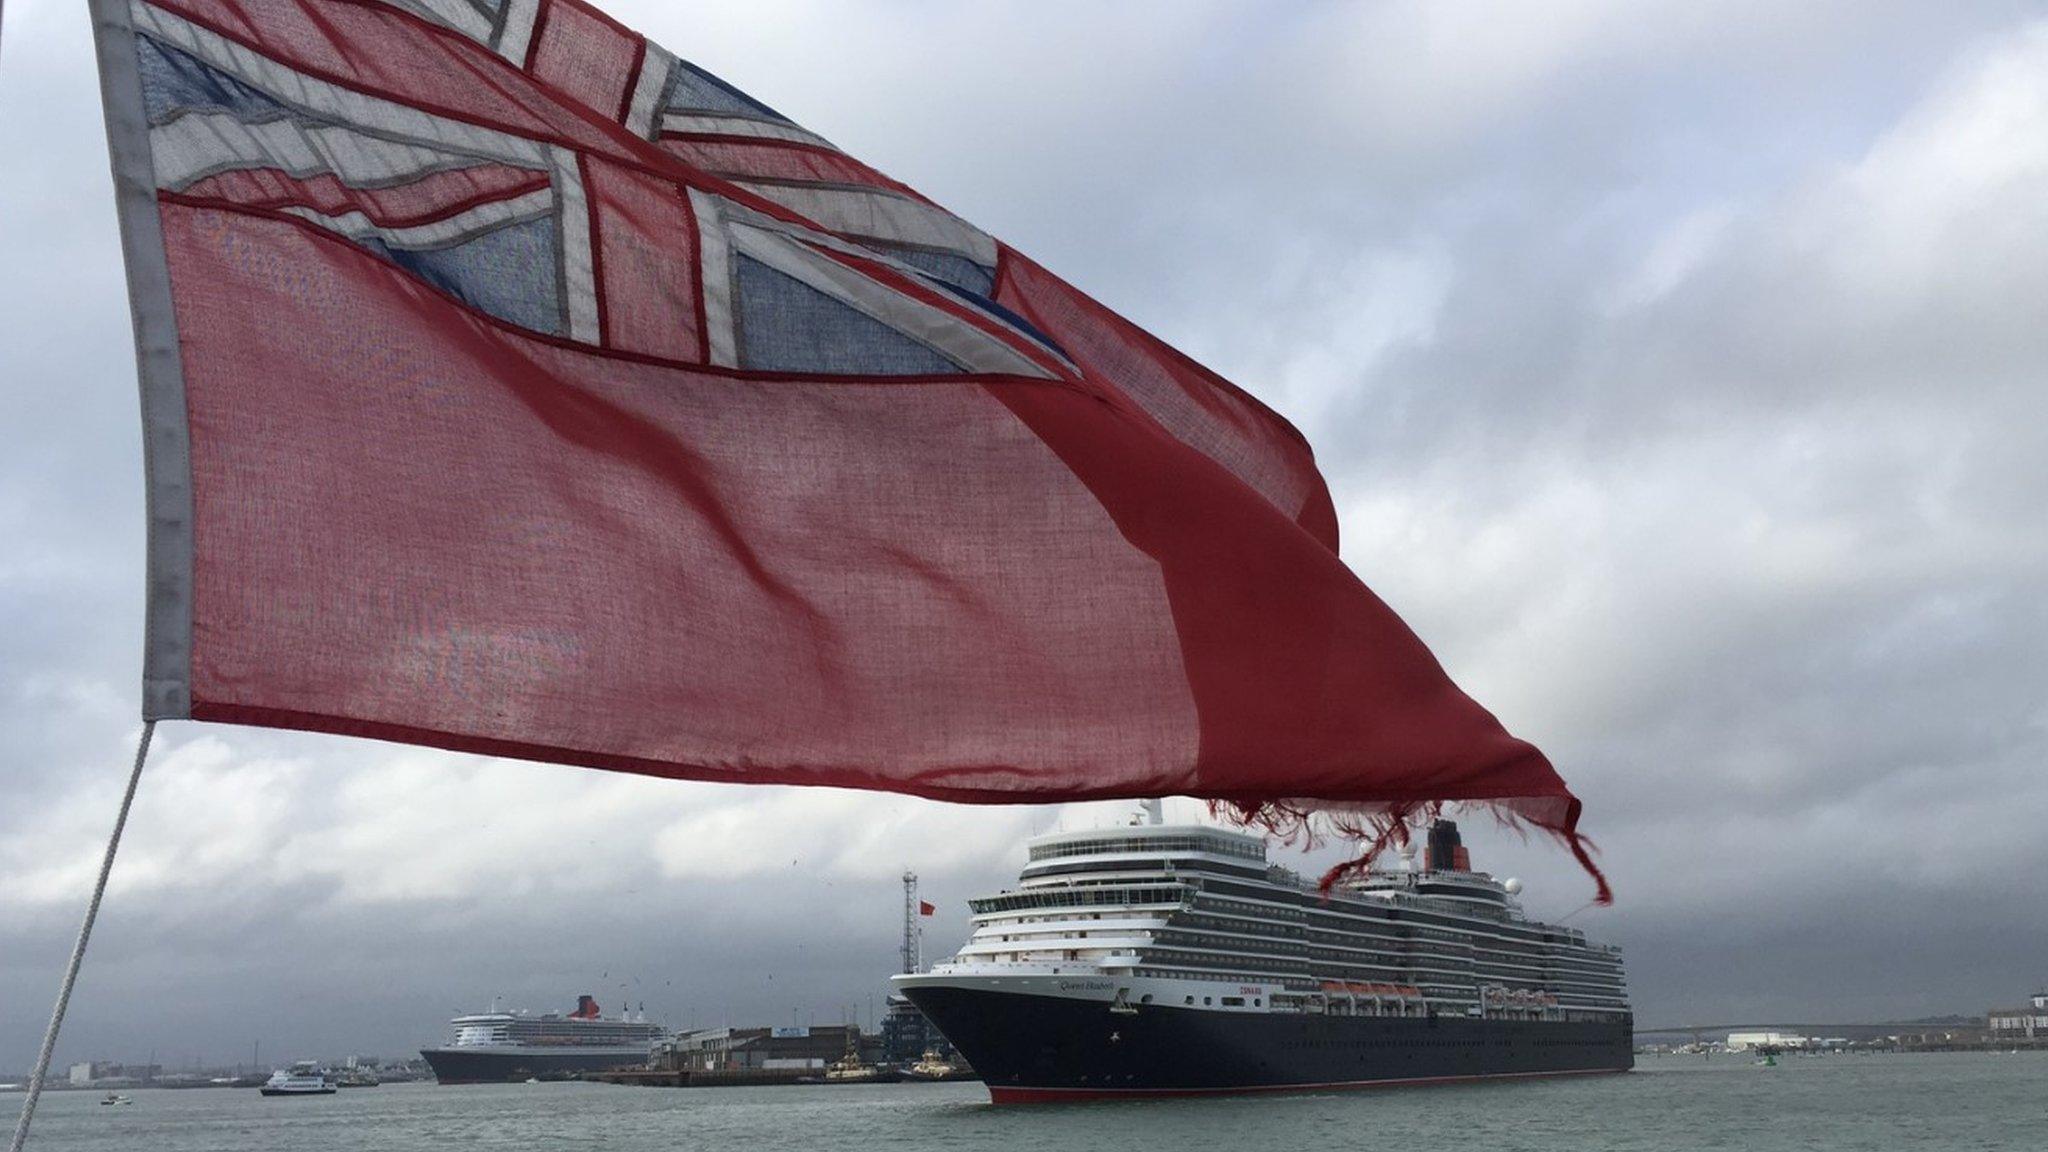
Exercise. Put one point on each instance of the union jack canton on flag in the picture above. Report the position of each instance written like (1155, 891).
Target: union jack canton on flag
(513, 385)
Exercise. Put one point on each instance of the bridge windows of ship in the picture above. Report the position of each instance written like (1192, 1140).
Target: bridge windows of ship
(1246, 849)
(1082, 871)
(1166, 896)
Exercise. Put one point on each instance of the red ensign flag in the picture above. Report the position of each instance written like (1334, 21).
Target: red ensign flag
(515, 386)
(926, 908)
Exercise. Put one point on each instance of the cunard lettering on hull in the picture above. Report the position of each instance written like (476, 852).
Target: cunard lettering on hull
(1165, 960)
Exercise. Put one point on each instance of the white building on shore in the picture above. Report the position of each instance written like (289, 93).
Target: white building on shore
(2027, 1025)
(1781, 1041)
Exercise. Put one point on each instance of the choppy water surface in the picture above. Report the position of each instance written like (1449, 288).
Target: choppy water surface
(1980, 1102)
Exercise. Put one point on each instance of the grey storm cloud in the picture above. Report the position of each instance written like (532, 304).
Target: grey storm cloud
(1678, 371)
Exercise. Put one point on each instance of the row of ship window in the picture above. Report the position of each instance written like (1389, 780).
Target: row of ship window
(1479, 953)
(1234, 968)
(1279, 948)
(1406, 912)
(1076, 897)
(1550, 944)
(1125, 896)
(1436, 991)
(1264, 910)
(1114, 871)
(1210, 1001)
(1475, 954)
(1262, 945)
(1372, 941)
(1216, 846)
(1405, 909)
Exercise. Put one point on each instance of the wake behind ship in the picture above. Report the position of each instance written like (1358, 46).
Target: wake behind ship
(1166, 960)
(495, 1047)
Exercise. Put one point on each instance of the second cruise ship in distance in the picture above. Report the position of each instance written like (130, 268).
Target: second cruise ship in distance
(1162, 960)
(494, 1047)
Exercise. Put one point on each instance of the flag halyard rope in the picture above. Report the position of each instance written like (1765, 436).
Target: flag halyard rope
(92, 911)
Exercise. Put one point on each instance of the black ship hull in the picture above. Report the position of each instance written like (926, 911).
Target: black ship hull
(516, 1065)
(1044, 1048)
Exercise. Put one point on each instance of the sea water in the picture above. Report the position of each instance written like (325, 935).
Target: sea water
(1981, 1102)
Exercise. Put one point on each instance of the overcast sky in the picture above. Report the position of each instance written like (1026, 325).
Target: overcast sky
(1680, 375)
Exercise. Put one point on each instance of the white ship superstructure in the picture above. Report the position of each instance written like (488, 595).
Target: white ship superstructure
(1176, 914)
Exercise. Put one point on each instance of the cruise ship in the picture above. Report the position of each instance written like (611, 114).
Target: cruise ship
(495, 1047)
(1157, 959)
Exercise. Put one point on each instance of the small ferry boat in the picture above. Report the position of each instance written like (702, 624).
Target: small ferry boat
(117, 1098)
(305, 1078)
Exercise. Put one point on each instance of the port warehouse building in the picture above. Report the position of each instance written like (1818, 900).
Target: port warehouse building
(905, 1036)
(763, 1049)
(101, 1073)
(2028, 1025)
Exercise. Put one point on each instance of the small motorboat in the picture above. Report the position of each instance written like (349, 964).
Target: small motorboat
(934, 1067)
(851, 1069)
